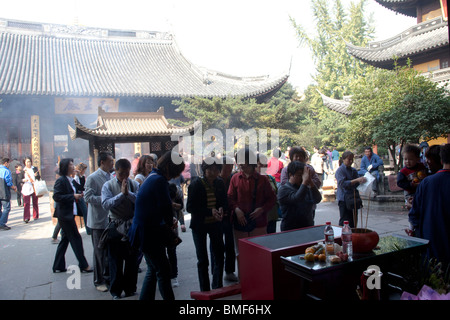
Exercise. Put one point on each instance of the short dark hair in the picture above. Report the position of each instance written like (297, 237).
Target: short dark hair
(210, 162)
(25, 160)
(411, 148)
(64, 166)
(4, 160)
(103, 156)
(347, 154)
(434, 152)
(368, 148)
(295, 166)
(445, 153)
(167, 163)
(122, 164)
(297, 150)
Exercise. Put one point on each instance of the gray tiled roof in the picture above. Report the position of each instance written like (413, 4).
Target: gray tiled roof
(128, 124)
(44, 59)
(406, 7)
(337, 105)
(423, 37)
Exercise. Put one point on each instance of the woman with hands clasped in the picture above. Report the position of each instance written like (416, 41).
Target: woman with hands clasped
(207, 201)
(297, 198)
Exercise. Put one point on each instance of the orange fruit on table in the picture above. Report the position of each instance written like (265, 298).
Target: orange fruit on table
(309, 257)
(310, 250)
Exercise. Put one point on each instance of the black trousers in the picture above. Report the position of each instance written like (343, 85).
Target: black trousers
(69, 234)
(101, 266)
(123, 268)
(346, 215)
(214, 230)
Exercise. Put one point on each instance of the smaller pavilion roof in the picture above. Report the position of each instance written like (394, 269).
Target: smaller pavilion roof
(337, 105)
(118, 125)
(422, 38)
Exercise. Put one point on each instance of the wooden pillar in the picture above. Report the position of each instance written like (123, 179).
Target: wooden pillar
(92, 156)
(36, 142)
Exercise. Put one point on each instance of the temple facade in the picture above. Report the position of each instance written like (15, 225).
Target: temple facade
(50, 73)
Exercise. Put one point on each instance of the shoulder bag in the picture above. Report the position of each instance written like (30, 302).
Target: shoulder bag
(353, 200)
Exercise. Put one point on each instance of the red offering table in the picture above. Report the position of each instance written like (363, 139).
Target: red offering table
(262, 274)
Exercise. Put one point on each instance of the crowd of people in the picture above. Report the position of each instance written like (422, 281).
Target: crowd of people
(133, 209)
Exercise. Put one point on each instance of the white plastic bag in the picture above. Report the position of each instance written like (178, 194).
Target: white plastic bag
(40, 188)
(366, 187)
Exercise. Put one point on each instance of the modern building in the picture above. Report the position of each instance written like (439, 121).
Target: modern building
(50, 73)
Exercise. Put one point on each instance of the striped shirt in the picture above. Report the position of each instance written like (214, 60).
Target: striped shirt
(210, 201)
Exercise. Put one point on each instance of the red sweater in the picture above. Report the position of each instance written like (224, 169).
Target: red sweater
(274, 167)
(240, 195)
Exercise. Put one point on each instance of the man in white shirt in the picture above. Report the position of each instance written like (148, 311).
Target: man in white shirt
(119, 197)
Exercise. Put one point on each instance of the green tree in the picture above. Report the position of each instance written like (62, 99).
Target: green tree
(397, 107)
(280, 112)
(336, 69)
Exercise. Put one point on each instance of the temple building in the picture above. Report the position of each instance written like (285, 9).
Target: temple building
(426, 44)
(50, 73)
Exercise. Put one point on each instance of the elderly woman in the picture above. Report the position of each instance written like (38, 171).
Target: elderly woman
(207, 201)
(347, 181)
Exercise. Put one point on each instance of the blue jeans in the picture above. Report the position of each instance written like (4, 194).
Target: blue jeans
(158, 270)
(4, 213)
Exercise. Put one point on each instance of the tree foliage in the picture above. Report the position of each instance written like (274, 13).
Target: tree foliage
(397, 107)
(282, 112)
(336, 69)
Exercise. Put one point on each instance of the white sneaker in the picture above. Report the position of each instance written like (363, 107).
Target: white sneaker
(174, 282)
(231, 277)
(102, 288)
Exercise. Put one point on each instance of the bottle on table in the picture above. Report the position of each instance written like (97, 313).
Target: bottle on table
(347, 246)
(329, 240)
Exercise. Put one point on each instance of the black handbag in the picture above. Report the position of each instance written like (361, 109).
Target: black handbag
(353, 200)
(251, 223)
(169, 237)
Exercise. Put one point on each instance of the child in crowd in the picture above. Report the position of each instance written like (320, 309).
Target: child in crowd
(18, 182)
(411, 174)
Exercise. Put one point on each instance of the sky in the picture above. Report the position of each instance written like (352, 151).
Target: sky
(237, 37)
